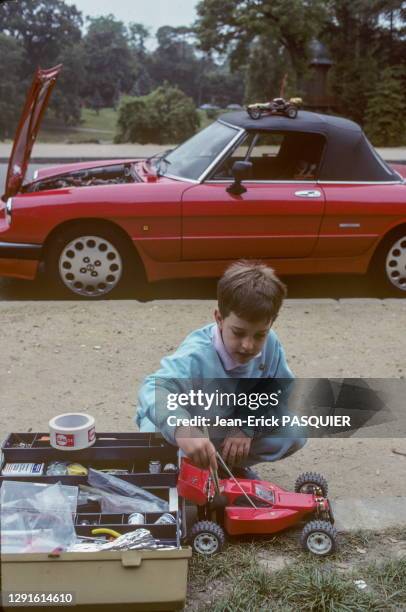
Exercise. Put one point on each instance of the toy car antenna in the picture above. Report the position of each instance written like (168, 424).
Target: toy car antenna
(225, 466)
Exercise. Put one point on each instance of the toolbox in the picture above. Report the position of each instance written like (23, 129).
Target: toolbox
(118, 580)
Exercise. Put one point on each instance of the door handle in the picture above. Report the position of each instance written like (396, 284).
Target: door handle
(308, 193)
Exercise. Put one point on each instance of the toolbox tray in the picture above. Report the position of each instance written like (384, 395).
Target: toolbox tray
(131, 579)
(107, 447)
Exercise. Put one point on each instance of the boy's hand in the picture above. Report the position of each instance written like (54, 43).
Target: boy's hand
(235, 447)
(198, 448)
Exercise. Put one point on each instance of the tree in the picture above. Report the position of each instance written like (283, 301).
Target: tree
(138, 34)
(49, 32)
(166, 115)
(174, 59)
(11, 99)
(43, 27)
(231, 27)
(363, 36)
(384, 118)
(110, 64)
(66, 100)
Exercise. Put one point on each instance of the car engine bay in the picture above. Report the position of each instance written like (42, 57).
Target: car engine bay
(103, 175)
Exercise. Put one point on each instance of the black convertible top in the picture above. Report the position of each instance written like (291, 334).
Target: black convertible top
(348, 155)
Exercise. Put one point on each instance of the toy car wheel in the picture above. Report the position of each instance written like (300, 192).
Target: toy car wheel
(319, 538)
(311, 482)
(255, 113)
(89, 261)
(292, 112)
(207, 538)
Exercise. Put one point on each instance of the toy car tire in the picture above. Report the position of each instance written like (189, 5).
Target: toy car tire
(291, 112)
(110, 256)
(311, 482)
(207, 538)
(254, 113)
(319, 538)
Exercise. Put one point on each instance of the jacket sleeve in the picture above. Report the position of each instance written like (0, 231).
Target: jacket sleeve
(153, 394)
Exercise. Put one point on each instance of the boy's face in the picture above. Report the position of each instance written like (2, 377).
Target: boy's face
(242, 339)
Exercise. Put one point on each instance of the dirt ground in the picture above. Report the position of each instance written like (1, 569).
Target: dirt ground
(70, 356)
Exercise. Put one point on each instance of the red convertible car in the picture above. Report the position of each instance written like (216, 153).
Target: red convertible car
(308, 195)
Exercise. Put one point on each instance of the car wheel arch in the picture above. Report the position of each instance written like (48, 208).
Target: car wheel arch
(96, 223)
(391, 234)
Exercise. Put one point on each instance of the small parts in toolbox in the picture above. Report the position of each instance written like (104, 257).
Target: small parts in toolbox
(76, 469)
(155, 467)
(166, 519)
(170, 468)
(63, 468)
(40, 515)
(115, 471)
(105, 531)
(138, 539)
(20, 445)
(136, 518)
(57, 468)
(23, 469)
(72, 431)
(135, 498)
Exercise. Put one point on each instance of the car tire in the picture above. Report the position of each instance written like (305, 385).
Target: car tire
(389, 264)
(206, 538)
(311, 482)
(319, 538)
(90, 261)
(292, 112)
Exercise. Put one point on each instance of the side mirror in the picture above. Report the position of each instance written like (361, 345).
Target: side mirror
(241, 171)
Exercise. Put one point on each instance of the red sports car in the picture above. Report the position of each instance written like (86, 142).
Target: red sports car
(308, 195)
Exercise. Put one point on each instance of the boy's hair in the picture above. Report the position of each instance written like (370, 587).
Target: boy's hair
(251, 290)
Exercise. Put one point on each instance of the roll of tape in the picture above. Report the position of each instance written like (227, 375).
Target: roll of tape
(72, 431)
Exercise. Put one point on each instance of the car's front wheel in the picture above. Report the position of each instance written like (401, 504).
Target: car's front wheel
(89, 261)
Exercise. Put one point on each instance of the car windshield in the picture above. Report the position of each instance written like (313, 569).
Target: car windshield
(192, 158)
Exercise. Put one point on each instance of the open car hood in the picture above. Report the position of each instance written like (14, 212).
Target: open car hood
(35, 105)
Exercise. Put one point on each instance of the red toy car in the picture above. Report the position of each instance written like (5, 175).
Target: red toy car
(257, 507)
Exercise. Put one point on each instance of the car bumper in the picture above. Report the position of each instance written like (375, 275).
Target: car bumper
(19, 260)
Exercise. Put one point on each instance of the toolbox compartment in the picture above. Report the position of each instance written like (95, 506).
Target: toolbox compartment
(110, 580)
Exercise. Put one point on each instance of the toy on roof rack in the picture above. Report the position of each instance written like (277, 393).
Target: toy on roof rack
(277, 106)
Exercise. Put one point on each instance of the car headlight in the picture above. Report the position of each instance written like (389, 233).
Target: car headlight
(9, 210)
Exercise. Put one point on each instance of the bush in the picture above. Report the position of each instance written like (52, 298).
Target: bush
(165, 116)
(384, 117)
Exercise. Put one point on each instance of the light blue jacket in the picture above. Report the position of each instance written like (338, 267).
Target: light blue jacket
(197, 358)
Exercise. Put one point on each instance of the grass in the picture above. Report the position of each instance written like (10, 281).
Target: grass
(239, 583)
(93, 128)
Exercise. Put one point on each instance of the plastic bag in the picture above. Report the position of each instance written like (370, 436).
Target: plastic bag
(144, 501)
(111, 503)
(36, 517)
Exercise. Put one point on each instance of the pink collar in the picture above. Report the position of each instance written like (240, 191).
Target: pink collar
(227, 361)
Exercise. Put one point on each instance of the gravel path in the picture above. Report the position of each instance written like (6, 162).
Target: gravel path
(71, 356)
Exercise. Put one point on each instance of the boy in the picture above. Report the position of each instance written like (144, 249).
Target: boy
(239, 345)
